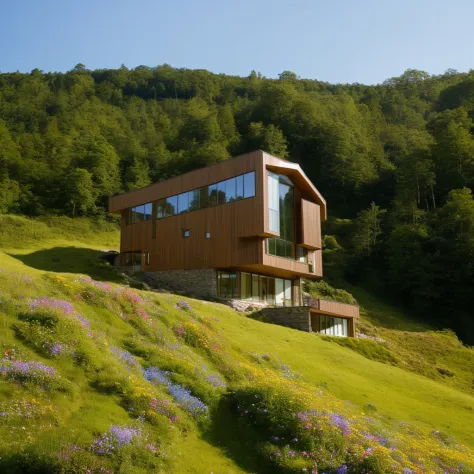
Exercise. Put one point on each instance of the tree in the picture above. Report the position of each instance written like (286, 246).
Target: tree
(368, 229)
(285, 75)
(9, 194)
(80, 191)
(267, 138)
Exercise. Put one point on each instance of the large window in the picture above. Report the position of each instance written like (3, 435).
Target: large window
(273, 203)
(332, 326)
(264, 289)
(227, 284)
(229, 190)
(281, 216)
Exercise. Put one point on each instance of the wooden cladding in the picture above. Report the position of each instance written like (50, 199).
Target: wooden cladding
(231, 235)
(189, 181)
(310, 225)
(334, 308)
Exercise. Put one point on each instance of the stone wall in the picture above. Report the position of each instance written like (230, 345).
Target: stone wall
(201, 283)
(296, 317)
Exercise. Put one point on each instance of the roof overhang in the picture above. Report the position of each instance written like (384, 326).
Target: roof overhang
(299, 179)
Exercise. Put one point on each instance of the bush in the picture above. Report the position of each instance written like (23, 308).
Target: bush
(323, 290)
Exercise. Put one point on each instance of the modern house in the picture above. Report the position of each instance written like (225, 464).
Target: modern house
(244, 230)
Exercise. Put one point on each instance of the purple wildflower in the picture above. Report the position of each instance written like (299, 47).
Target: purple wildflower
(56, 349)
(342, 469)
(24, 371)
(340, 422)
(116, 438)
(180, 394)
(184, 305)
(124, 356)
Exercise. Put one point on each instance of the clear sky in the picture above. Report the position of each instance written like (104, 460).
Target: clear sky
(364, 41)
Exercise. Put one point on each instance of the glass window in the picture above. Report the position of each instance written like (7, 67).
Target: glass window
(249, 184)
(171, 205)
(212, 199)
(139, 213)
(204, 197)
(160, 208)
(302, 255)
(273, 203)
(148, 208)
(263, 288)
(185, 233)
(132, 258)
(230, 190)
(279, 292)
(233, 284)
(271, 291)
(288, 293)
(245, 286)
(221, 192)
(281, 215)
(194, 199)
(240, 187)
(223, 284)
(287, 226)
(227, 284)
(333, 326)
(183, 203)
(255, 293)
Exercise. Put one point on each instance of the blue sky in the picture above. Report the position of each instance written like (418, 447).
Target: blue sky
(364, 41)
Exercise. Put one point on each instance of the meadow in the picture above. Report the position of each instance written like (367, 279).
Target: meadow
(98, 377)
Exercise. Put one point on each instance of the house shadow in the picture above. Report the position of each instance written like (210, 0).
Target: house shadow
(71, 260)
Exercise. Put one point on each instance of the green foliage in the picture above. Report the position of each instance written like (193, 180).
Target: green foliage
(69, 140)
(322, 289)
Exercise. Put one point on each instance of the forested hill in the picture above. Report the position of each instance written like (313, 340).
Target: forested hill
(397, 159)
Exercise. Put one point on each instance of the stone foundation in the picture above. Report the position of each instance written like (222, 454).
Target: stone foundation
(201, 283)
(296, 317)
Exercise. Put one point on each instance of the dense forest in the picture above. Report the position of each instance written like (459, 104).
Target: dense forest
(395, 161)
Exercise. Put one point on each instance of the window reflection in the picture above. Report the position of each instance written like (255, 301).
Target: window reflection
(281, 216)
(233, 189)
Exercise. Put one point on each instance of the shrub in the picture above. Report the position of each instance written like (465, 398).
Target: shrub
(321, 289)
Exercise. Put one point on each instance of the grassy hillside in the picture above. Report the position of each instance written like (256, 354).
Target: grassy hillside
(97, 377)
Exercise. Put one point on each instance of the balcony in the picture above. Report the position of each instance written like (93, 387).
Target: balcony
(331, 308)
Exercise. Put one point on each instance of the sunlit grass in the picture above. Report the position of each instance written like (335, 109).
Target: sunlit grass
(254, 378)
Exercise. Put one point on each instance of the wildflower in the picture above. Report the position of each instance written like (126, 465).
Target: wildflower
(56, 349)
(116, 438)
(340, 422)
(183, 396)
(184, 305)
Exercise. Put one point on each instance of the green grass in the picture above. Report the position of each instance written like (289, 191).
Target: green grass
(399, 379)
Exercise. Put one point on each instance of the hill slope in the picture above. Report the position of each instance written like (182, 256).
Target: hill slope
(97, 376)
